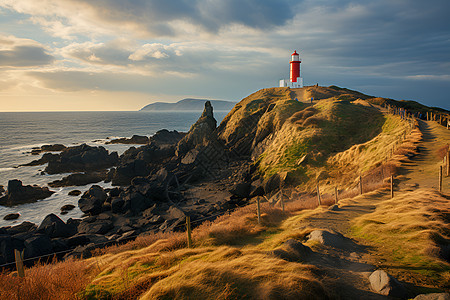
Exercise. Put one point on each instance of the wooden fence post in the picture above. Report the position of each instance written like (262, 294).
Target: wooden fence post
(335, 195)
(188, 230)
(258, 210)
(440, 179)
(318, 195)
(19, 262)
(360, 185)
(392, 186)
(448, 162)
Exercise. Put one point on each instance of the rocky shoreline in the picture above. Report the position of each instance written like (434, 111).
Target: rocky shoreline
(157, 185)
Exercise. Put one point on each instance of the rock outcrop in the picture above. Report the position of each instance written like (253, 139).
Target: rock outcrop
(200, 133)
(17, 193)
(81, 158)
(135, 139)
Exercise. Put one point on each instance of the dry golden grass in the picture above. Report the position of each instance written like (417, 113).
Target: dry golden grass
(230, 274)
(165, 273)
(414, 227)
(59, 281)
(442, 152)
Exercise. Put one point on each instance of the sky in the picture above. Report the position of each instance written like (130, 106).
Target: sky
(70, 55)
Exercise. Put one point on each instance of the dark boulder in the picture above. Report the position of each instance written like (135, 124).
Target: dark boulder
(74, 193)
(7, 246)
(123, 174)
(81, 158)
(67, 207)
(54, 227)
(12, 216)
(37, 245)
(272, 183)
(92, 200)
(165, 137)
(241, 190)
(20, 194)
(21, 228)
(97, 227)
(136, 202)
(117, 205)
(43, 160)
(77, 240)
(79, 179)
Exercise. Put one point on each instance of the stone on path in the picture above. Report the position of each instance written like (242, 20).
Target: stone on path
(384, 284)
(433, 296)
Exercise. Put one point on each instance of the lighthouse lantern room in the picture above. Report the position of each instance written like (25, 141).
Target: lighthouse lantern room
(295, 80)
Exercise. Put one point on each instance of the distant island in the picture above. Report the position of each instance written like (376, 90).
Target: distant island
(189, 104)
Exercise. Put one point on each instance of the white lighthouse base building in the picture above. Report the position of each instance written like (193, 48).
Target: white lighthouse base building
(288, 83)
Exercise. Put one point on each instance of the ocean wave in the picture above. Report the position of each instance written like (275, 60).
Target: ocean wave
(6, 169)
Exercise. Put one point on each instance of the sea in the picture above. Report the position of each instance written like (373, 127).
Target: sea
(21, 131)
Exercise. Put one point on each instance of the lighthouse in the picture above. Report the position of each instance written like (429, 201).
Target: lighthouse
(295, 80)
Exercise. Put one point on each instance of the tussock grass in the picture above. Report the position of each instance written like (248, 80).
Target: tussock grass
(239, 275)
(214, 269)
(414, 227)
(59, 281)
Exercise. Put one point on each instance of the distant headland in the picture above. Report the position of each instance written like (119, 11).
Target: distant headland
(189, 104)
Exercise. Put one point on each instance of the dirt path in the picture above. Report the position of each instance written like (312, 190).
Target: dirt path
(423, 171)
(351, 265)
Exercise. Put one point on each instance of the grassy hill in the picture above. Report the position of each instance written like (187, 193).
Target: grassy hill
(334, 139)
(341, 135)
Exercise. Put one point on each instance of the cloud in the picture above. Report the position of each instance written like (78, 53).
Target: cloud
(151, 18)
(15, 52)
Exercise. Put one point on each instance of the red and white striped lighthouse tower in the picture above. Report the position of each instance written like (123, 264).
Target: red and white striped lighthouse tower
(295, 66)
(295, 80)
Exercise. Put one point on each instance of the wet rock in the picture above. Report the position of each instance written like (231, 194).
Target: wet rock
(20, 194)
(135, 139)
(67, 207)
(384, 284)
(12, 216)
(92, 200)
(48, 148)
(79, 179)
(74, 193)
(81, 158)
